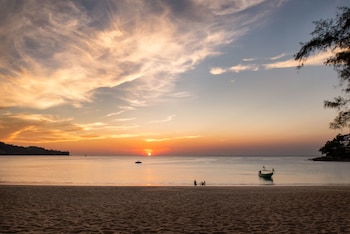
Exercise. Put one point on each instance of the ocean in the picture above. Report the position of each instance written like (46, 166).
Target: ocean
(169, 171)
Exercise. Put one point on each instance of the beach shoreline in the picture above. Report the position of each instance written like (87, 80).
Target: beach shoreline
(174, 209)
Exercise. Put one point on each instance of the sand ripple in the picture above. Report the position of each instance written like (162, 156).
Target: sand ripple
(265, 209)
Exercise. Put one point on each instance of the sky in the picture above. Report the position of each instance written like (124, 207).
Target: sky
(165, 77)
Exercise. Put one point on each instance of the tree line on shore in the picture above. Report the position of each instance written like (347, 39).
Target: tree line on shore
(7, 149)
(333, 35)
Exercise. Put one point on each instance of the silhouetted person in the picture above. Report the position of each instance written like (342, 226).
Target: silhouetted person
(195, 183)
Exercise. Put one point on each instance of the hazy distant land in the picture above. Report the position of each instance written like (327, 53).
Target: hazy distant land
(331, 159)
(7, 149)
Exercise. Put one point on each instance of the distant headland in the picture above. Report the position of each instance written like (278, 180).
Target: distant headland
(7, 149)
(336, 150)
(330, 159)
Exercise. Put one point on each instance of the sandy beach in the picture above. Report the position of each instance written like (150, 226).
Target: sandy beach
(260, 209)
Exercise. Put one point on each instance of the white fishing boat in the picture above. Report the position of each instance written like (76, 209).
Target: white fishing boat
(265, 173)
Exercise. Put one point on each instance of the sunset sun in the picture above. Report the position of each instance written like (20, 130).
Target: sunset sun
(148, 152)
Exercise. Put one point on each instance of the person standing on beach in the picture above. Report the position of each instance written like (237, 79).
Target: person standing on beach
(195, 183)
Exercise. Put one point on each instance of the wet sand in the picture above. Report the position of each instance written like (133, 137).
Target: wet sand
(260, 209)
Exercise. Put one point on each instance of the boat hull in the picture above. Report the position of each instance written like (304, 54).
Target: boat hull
(266, 175)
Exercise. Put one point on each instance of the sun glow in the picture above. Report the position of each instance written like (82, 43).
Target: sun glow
(148, 152)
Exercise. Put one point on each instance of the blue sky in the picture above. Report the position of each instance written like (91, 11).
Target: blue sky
(167, 77)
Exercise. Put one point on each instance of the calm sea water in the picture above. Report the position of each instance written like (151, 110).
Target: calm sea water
(168, 171)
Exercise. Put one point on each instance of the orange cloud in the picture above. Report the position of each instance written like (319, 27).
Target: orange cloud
(315, 60)
(55, 53)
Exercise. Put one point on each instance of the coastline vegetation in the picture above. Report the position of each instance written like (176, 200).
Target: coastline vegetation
(7, 149)
(333, 36)
(337, 149)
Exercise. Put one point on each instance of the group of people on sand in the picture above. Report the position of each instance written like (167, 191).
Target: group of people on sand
(201, 183)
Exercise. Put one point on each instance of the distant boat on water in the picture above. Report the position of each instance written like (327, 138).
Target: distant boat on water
(138, 162)
(265, 173)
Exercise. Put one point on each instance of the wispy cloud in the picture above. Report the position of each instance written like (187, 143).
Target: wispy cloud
(217, 70)
(170, 138)
(180, 95)
(23, 127)
(315, 60)
(57, 52)
(122, 109)
(229, 7)
(125, 119)
(278, 56)
(237, 69)
(248, 59)
(115, 113)
(167, 119)
(42, 128)
(106, 129)
(282, 64)
(240, 67)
